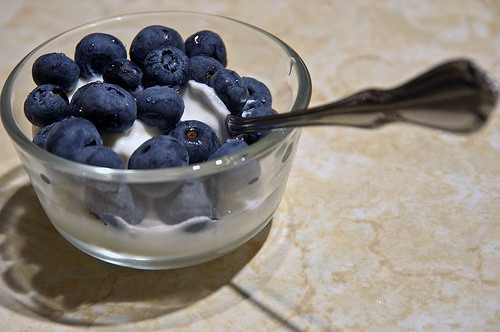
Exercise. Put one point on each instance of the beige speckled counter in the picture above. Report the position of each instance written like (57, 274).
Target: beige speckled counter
(392, 229)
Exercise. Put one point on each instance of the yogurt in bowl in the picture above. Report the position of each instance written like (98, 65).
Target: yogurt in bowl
(217, 205)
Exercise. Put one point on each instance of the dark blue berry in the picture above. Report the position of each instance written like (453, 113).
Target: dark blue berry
(188, 202)
(67, 138)
(200, 140)
(230, 88)
(166, 66)
(157, 189)
(207, 43)
(41, 136)
(201, 68)
(57, 69)
(94, 52)
(240, 178)
(151, 38)
(160, 107)
(258, 94)
(232, 145)
(46, 104)
(100, 155)
(124, 73)
(109, 107)
(256, 112)
(161, 151)
(117, 207)
(236, 178)
(76, 99)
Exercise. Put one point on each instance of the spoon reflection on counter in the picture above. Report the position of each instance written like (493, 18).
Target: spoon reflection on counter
(456, 96)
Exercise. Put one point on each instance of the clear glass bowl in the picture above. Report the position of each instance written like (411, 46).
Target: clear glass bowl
(241, 190)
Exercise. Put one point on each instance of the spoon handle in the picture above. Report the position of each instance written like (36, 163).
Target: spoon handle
(455, 96)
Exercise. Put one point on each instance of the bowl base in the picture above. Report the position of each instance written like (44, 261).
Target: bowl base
(162, 263)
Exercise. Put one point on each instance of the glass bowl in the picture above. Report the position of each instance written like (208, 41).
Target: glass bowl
(242, 190)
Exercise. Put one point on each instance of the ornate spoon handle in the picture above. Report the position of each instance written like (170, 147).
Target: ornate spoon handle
(455, 96)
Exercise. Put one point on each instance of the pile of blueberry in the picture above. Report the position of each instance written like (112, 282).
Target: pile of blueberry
(144, 86)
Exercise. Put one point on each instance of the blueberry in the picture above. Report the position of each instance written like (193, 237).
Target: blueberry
(153, 37)
(232, 145)
(207, 43)
(239, 179)
(41, 136)
(256, 112)
(76, 99)
(45, 104)
(236, 178)
(230, 88)
(188, 202)
(95, 50)
(201, 68)
(124, 73)
(70, 136)
(100, 155)
(57, 69)
(166, 66)
(117, 207)
(109, 107)
(161, 151)
(157, 189)
(258, 94)
(200, 140)
(160, 107)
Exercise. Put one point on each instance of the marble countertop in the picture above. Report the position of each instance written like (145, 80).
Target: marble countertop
(394, 229)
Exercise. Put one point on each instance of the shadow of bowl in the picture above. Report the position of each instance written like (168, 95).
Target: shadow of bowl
(53, 280)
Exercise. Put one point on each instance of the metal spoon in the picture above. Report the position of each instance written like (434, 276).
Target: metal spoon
(455, 96)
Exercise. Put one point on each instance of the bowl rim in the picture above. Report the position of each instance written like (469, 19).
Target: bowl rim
(253, 151)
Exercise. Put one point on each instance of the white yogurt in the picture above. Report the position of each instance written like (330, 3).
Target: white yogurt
(127, 142)
(202, 104)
